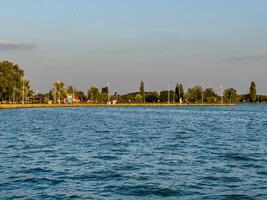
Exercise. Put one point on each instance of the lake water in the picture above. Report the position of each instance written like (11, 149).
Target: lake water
(134, 153)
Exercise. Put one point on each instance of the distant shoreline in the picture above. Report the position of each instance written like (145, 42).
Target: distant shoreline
(15, 106)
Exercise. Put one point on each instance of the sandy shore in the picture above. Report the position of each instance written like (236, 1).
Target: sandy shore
(13, 106)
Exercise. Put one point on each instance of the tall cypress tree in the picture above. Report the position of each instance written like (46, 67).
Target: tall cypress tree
(253, 92)
(142, 91)
(177, 93)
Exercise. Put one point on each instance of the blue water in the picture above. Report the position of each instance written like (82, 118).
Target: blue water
(134, 153)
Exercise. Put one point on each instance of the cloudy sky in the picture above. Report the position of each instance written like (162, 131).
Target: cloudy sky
(92, 42)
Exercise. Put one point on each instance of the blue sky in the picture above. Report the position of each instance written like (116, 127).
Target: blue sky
(92, 42)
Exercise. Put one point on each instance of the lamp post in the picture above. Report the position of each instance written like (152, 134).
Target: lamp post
(13, 95)
(59, 97)
(202, 96)
(1, 73)
(221, 87)
(168, 93)
(23, 93)
(108, 90)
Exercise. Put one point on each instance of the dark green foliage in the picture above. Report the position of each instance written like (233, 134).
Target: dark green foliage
(166, 96)
(104, 94)
(181, 90)
(81, 96)
(152, 97)
(210, 96)
(104, 97)
(104, 90)
(12, 82)
(194, 94)
(94, 95)
(243, 98)
(50, 95)
(230, 95)
(177, 93)
(59, 91)
(163, 96)
(70, 90)
(127, 98)
(253, 92)
(138, 98)
(262, 98)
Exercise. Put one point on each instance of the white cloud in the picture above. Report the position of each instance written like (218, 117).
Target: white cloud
(12, 45)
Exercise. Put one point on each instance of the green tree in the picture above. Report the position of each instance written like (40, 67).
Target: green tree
(230, 95)
(139, 98)
(50, 96)
(126, 98)
(152, 97)
(104, 90)
(177, 93)
(72, 91)
(142, 91)
(163, 96)
(104, 97)
(253, 92)
(93, 94)
(59, 91)
(27, 89)
(12, 82)
(210, 96)
(81, 96)
(243, 98)
(105, 94)
(194, 94)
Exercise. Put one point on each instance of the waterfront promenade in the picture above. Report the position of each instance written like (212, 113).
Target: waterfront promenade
(14, 106)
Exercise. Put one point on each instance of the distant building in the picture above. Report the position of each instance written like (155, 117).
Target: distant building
(113, 101)
(71, 99)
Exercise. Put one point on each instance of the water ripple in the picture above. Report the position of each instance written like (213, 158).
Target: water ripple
(134, 153)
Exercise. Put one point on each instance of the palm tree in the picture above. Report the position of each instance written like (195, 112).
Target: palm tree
(59, 91)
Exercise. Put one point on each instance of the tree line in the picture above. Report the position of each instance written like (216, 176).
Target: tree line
(14, 88)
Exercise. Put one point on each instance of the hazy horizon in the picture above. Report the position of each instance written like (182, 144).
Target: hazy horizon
(83, 43)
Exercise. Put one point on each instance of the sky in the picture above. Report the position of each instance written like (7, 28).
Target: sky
(121, 42)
